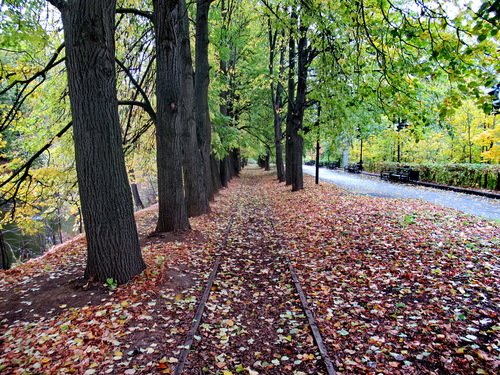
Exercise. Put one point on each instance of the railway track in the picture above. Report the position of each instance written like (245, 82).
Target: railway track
(253, 314)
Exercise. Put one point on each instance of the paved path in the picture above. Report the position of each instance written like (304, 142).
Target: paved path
(361, 184)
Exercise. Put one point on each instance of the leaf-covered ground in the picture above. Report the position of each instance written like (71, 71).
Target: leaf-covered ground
(397, 287)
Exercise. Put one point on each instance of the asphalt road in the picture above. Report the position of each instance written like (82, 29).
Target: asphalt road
(361, 184)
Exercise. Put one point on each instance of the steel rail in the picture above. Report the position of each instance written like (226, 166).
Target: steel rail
(330, 369)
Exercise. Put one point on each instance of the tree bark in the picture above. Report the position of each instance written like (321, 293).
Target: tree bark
(172, 213)
(5, 254)
(224, 172)
(215, 173)
(195, 181)
(137, 198)
(277, 101)
(106, 202)
(135, 191)
(291, 104)
(201, 81)
(236, 162)
(297, 117)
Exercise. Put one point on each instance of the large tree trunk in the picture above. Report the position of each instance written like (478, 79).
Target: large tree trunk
(298, 115)
(291, 106)
(235, 162)
(278, 136)
(215, 173)
(224, 172)
(277, 101)
(172, 215)
(106, 201)
(5, 254)
(201, 81)
(195, 181)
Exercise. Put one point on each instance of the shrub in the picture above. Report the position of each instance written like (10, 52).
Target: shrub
(485, 176)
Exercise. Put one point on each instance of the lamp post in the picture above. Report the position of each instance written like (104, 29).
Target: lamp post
(360, 149)
(400, 125)
(495, 101)
(317, 145)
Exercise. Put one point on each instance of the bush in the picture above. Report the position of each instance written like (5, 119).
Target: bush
(484, 176)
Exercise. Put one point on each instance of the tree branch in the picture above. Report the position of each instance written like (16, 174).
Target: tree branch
(24, 169)
(137, 12)
(147, 104)
(51, 64)
(59, 4)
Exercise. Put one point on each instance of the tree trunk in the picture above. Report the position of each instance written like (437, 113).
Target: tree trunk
(194, 173)
(106, 202)
(224, 172)
(298, 114)
(172, 213)
(291, 105)
(236, 162)
(201, 81)
(5, 254)
(277, 101)
(137, 198)
(135, 191)
(267, 157)
(278, 136)
(215, 173)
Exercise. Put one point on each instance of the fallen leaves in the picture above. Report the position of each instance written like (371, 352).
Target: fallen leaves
(133, 328)
(396, 286)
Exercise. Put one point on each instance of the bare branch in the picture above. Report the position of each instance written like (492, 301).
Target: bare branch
(51, 64)
(24, 169)
(137, 12)
(143, 105)
(145, 97)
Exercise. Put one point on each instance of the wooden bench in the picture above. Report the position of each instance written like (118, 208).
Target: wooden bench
(402, 174)
(399, 174)
(353, 168)
(333, 165)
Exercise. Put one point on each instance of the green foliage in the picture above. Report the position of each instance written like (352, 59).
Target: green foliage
(408, 220)
(111, 283)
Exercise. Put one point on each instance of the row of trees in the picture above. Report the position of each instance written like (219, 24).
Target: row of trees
(185, 164)
(282, 74)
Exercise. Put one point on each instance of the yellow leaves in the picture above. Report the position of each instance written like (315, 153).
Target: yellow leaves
(492, 155)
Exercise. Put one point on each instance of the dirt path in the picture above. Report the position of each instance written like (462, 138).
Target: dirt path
(253, 319)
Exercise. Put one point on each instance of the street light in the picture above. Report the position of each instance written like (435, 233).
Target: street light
(400, 125)
(495, 92)
(495, 101)
(360, 149)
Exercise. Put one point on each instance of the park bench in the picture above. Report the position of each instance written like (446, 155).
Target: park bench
(333, 165)
(399, 174)
(353, 168)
